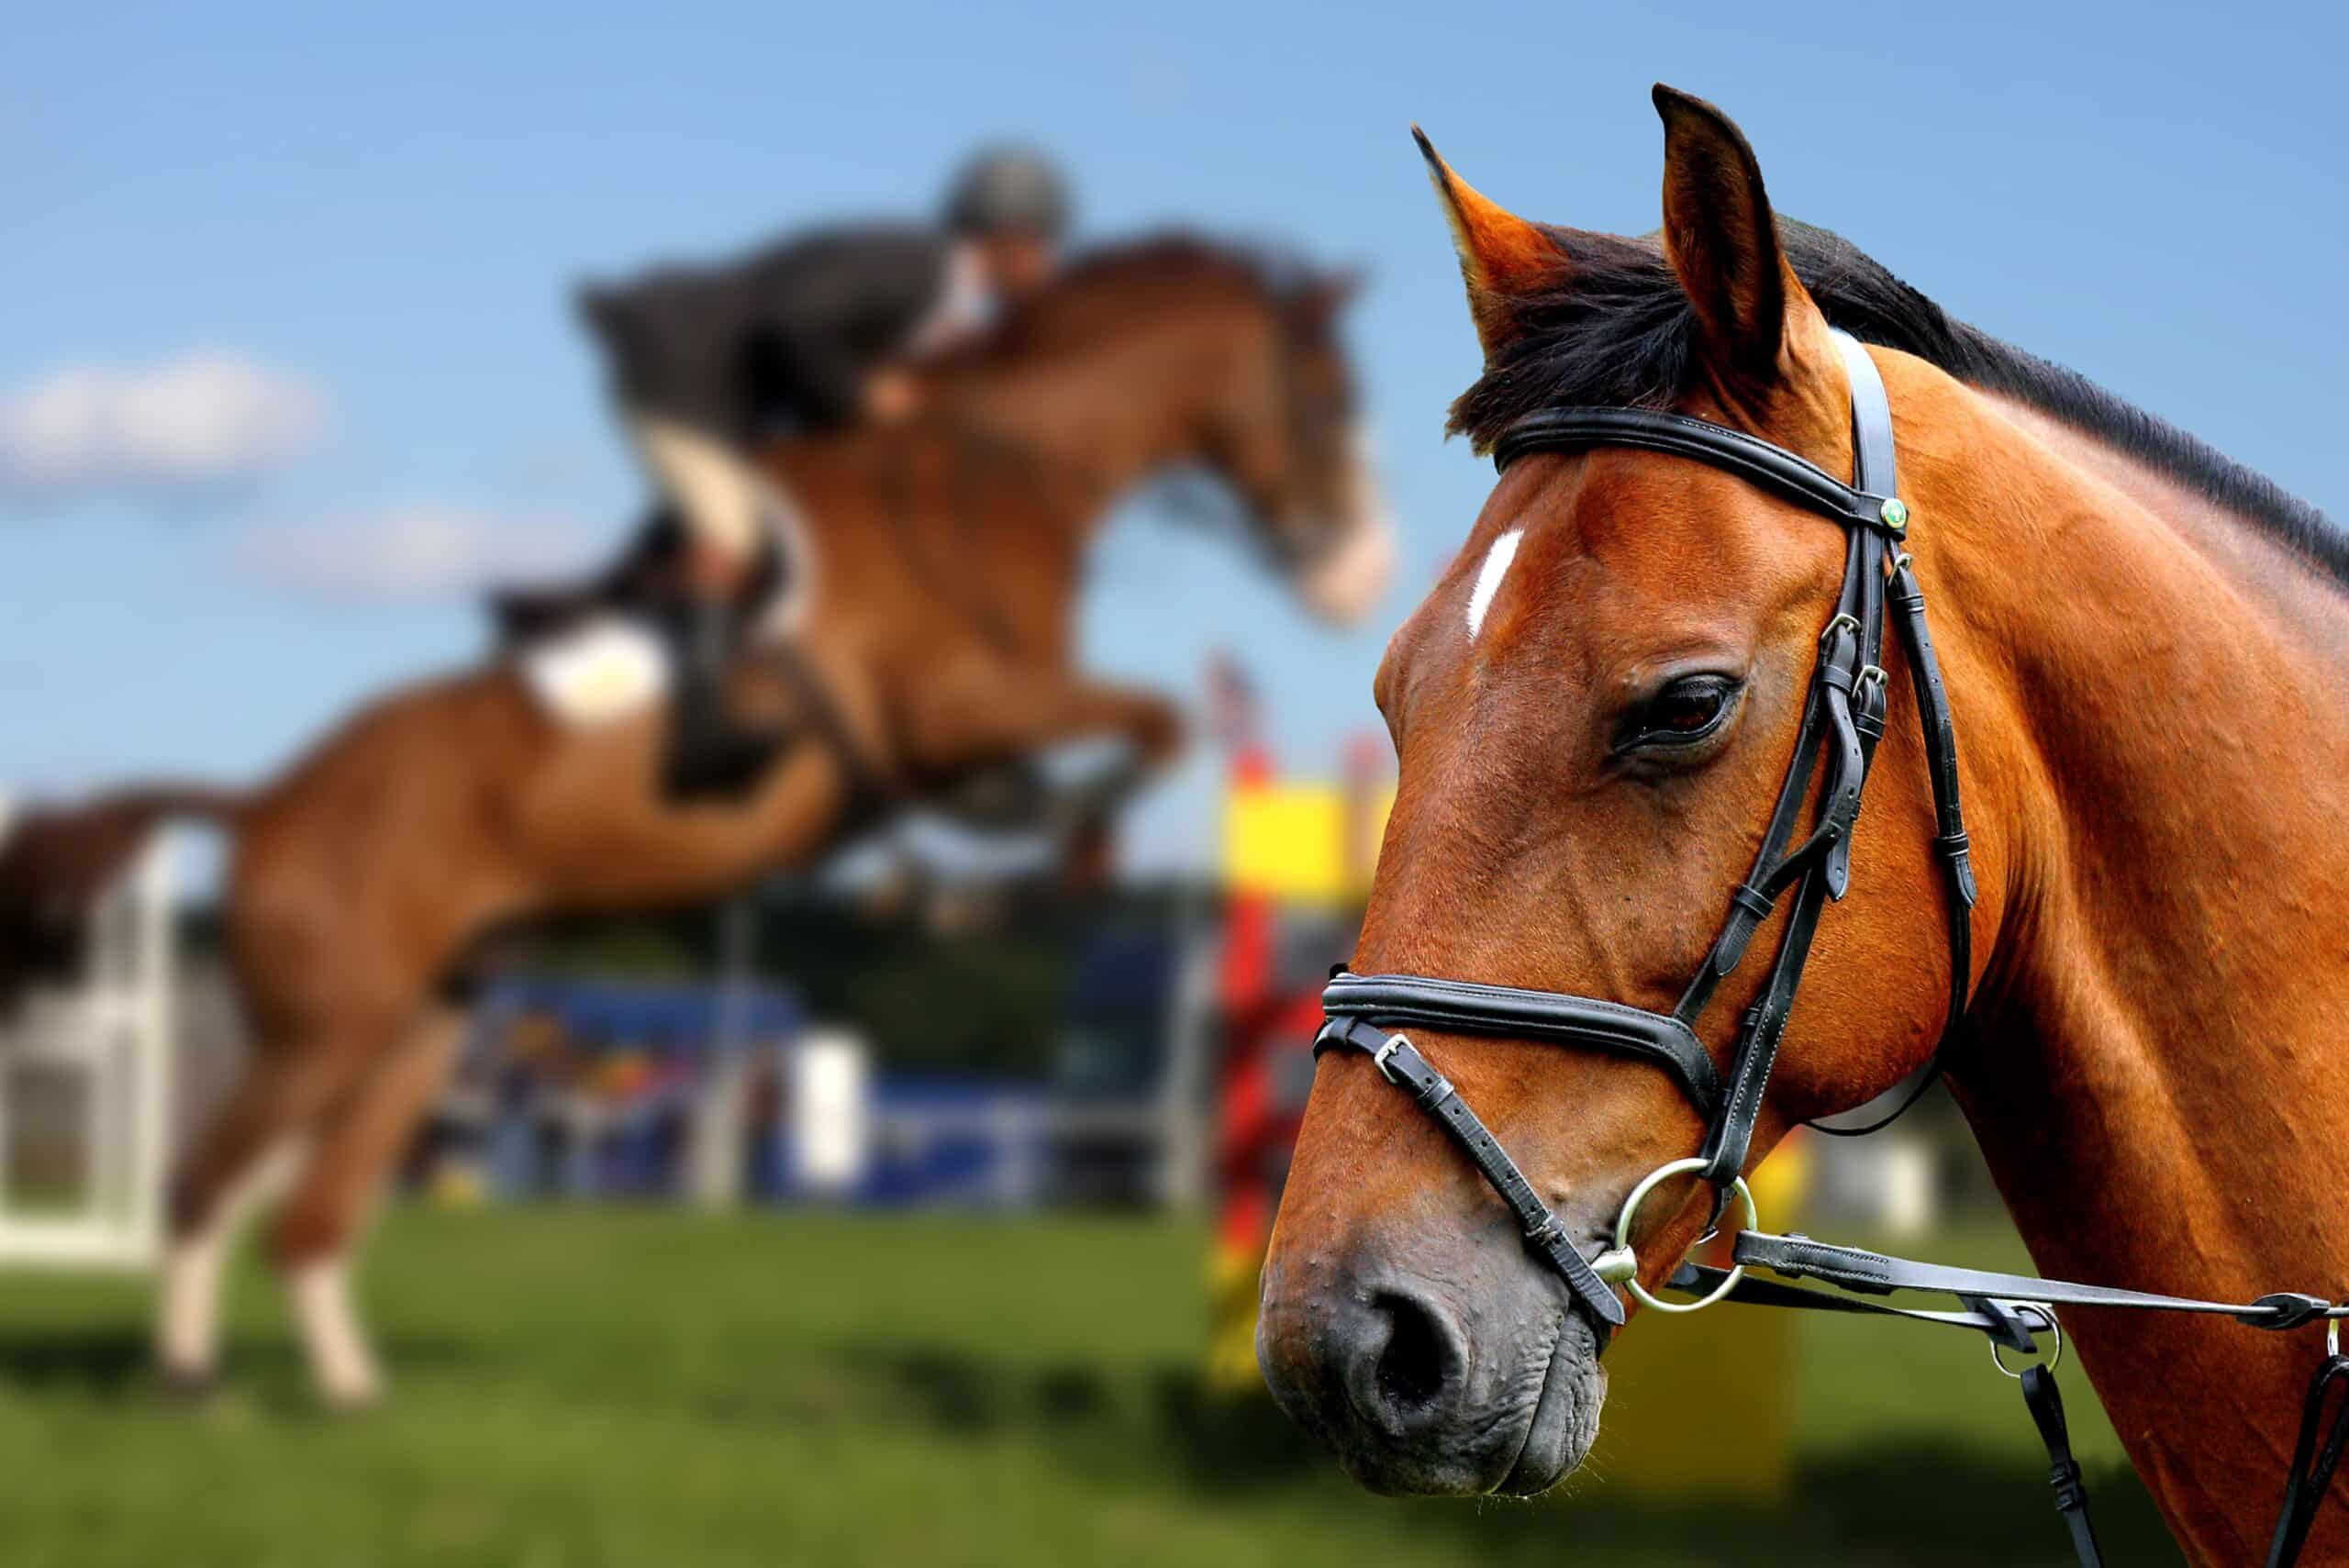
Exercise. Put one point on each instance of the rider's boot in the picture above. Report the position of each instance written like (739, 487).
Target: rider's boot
(711, 754)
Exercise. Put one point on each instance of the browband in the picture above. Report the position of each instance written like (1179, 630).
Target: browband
(1767, 467)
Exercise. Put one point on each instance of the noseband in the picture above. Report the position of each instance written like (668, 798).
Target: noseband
(1842, 719)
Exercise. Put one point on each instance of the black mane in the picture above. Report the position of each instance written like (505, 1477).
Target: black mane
(1621, 333)
(1279, 270)
(1084, 301)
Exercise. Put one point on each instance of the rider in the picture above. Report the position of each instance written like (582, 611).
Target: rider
(812, 333)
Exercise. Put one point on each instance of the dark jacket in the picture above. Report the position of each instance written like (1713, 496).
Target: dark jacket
(782, 338)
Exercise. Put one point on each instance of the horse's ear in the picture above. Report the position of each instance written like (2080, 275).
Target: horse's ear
(1339, 289)
(1326, 294)
(1753, 316)
(599, 310)
(1502, 257)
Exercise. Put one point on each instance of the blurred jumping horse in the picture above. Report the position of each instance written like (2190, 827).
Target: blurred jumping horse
(2143, 648)
(935, 571)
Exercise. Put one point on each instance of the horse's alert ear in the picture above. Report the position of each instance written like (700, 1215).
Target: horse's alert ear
(1343, 287)
(1327, 295)
(1753, 316)
(1501, 255)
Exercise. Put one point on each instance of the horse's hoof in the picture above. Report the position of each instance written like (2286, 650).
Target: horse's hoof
(187, 1385)
(352, 1402)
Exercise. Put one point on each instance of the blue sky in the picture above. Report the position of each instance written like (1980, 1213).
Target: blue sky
(385, 205)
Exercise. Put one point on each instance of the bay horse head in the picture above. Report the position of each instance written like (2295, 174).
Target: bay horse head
(1294, 447)
(1593, 712)
(1177, 355)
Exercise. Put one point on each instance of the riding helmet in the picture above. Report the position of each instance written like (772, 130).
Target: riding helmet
(1008, 189)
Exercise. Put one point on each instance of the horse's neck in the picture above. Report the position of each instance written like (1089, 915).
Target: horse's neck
(1108, 411)
(2158, 1081)
(2173, 946)
(988, 502)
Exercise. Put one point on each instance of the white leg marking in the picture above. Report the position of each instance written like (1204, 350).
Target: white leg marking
(340, 1362)
(187, 1336)
(1489, 579)
(187, 1340)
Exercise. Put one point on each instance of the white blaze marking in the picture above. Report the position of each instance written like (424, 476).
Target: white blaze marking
(1489, 579)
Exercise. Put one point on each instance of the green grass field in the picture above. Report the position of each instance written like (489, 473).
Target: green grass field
(584, 1386)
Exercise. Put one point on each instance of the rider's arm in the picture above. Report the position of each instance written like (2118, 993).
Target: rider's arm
(851, 304)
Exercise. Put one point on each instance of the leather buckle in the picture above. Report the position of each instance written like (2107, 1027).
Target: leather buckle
(1378, 1058)
(1904, 592)
(1870, 702)
(2064, 1476)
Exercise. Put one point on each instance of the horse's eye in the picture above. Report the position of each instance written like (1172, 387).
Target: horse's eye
(1687, 710)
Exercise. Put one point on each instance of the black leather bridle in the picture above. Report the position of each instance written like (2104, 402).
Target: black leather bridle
(1843, 719)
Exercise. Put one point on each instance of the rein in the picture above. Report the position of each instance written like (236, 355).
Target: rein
(1843, 717)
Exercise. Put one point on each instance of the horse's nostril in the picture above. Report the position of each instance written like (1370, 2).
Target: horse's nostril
(1413, 1366)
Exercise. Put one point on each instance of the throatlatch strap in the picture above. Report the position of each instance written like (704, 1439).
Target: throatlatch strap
(1875, 469)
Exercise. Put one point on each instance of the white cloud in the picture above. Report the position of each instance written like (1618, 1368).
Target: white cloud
(416, 551)
(203, 419)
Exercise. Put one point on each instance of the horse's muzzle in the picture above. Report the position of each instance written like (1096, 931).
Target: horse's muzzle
(1342, 583)
(1426, 1386)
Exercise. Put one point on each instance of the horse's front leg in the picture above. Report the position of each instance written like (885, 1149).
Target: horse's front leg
(1006, 715)
(1006, 711)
